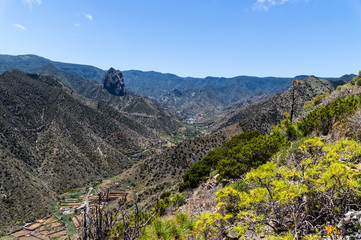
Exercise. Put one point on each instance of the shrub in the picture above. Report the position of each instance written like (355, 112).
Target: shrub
(315, 188)
(249, 155)
(318, 99)
(168, 201)
(323, 118)
(199, 171)
(357, 80)
(180, 226)
(164, 195)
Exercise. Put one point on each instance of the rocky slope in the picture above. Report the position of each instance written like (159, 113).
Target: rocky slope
(163, 170)
(52, 139)
(141, 109)
(262, 115)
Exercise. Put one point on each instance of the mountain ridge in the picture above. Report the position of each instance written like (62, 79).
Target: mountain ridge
(199, 92)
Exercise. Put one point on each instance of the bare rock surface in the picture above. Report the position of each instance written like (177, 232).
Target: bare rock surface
(113, 82)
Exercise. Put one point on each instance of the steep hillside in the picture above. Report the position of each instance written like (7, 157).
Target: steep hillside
(262, 115)
(141, 109)
(300, 181)
(165, 168)
(52, 139)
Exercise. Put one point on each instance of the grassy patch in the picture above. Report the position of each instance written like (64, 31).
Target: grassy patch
(66, 219)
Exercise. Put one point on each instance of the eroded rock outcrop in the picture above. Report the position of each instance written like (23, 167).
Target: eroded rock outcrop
(113, 82)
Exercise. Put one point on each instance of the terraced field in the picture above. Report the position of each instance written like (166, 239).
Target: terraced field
(49, 228)
(70, 208)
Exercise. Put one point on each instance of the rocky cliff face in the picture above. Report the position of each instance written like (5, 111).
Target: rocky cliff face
(113, 82)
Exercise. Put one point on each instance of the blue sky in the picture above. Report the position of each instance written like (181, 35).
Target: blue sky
(190, 37)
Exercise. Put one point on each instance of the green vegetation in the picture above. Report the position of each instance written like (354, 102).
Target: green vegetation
(169, 200)
(298, 192)
(243, 153)
(186, 133)
(180, 226)
(357, 79)
(317, 187)
(200, 170)
(250, 154)
(323, 118)
(288, 184)
(66, 219)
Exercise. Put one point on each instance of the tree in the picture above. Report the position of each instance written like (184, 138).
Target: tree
(115, 223)
(295, 83)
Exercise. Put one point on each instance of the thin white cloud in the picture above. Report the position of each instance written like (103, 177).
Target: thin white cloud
(88, 16)
(77, 25)
(19, 26)
(265, 5)
(31, 2)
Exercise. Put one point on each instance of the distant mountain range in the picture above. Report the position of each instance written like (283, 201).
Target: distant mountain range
(187, 96)
(28, 62)
(201, 96)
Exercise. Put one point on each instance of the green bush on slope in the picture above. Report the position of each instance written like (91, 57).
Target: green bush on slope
(241, 154)
(180, 226)
(249, 155)
(251, 149)
(305, 186)
(357, 79)
(200, 170)
(317, 186)
(323, 118)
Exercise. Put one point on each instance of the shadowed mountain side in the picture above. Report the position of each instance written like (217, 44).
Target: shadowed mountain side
(50, 142)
